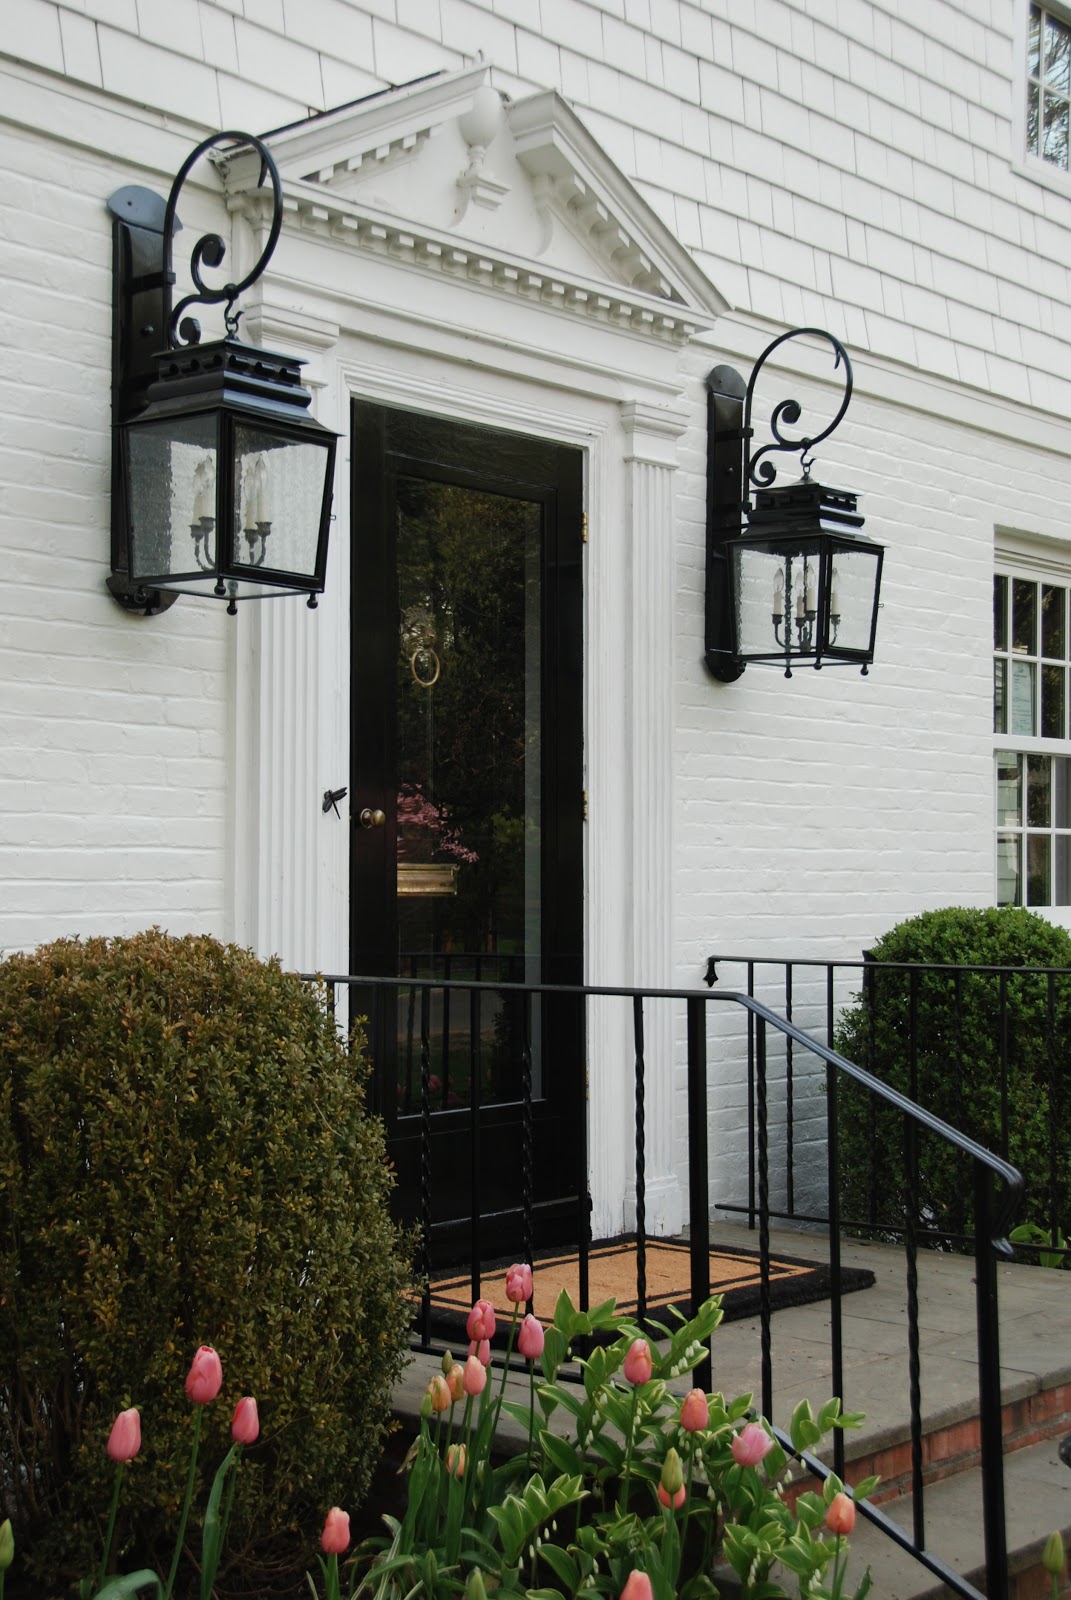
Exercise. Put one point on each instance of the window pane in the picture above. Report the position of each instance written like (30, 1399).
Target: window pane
(1061, 877)
(1057, 58)
(1053, 618)
(1023, 718)
(1057, 129)
(1037, 869)
(1033, 119)
(1008, 889)
(1000, 696)
(1009, 804)
(1033, 43)
(1024, 625)
(1000, 613)
(1038, 791)
(1052, 702)
(1061, 792)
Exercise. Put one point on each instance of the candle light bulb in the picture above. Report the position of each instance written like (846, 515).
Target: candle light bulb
(834, 594)
(810, 604)
(779, 593)
(204, 490)
(799, 601)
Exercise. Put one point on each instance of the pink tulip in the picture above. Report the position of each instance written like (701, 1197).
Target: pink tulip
(245, 1428)
(530, 1338)
(840, 1518)
(638, 1587)
(124, 1441)
(336, 1535)
(481, 1349)
(519, 1283)
(480, 1323)
(205, 1377)
(695, 1411)
(474, 1379)
(750, 1445)
(455, 1460)
(638, 1362)
(675, 1500)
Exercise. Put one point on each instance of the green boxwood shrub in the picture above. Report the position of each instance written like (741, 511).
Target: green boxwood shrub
(957, 1068)
(186, 1158)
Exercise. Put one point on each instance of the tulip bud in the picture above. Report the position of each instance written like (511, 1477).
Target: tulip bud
(481, 1348)
(439, 1390)
(205, 1377)
(475, 1589)
(695, 1411)
(480, 1322)
(7, 1544)
(666, 1499)
(1052, 1556)
(750, 1445)
(455, 1382)
(446, 1363)
(474, 1376)
(124, 1441)
(519, 1283)
(455, 1460)
(638, 1364)
(637, 1587)
(336, 1535)
(672, 1473)
(530, 1339)
(840, 1518)
(245, 1428)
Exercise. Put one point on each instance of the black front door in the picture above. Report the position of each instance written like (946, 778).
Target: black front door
(467, 807)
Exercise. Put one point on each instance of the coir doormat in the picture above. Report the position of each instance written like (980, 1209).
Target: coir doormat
(612, 1269)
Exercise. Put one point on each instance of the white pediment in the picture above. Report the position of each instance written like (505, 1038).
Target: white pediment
(450, 176)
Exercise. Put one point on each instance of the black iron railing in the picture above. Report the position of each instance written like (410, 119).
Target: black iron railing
(991, 1042)
(707, 1017)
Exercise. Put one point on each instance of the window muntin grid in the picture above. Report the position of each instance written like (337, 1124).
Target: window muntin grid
(1048, 87)
(1031, 661)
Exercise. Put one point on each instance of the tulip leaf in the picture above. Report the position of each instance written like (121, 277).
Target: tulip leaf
(564, 1312)
(555, 1350)
(130, 1583)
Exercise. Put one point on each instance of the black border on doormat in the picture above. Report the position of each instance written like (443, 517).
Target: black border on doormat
(810, 1282)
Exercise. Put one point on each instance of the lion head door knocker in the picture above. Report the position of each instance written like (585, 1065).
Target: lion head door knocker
(419, 638)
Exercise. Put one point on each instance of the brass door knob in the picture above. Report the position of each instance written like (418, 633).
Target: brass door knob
(372, 819)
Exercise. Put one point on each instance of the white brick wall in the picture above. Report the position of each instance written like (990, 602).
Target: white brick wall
(846, 163)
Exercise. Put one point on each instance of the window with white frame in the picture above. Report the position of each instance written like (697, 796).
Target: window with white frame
(1048, 84)
(1031, 701)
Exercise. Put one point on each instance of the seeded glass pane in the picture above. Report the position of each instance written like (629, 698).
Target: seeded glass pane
(1057, 55)
(1009, 805)
(1053, 622)
(1033, 42)
(1008, 886)
(1057, 130)
(1038, 861)
(1061, 792)
(1038, 791)
(1052, 702)
(1023, 714)
(1024, 617)
(1000, 613)
(1000, 696)
(1061, 870)
(1033, 118)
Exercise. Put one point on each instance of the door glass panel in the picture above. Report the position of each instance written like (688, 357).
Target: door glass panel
(469, 802)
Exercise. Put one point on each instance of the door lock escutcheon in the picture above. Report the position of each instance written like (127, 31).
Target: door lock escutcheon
(371, 819)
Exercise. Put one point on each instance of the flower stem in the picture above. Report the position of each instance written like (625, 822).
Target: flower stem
(186, 1503)
(531, 1414)
(622, 1503)
(111, 1528)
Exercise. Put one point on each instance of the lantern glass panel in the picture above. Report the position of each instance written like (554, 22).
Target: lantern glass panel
(855, 574)
(171, 489)
(768, 580)
(278, 500)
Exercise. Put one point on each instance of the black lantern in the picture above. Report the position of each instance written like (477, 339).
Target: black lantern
(222, 482)
(791, 579)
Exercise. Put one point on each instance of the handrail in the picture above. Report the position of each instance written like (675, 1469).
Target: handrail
(991, 1221)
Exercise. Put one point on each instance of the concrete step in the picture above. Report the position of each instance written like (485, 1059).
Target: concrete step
(1037, 1490)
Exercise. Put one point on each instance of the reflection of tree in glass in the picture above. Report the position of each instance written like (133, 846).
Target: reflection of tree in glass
(466, 560)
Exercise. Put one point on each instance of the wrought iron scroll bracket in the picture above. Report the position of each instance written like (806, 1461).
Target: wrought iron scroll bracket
(761, 472)
(210, 249)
